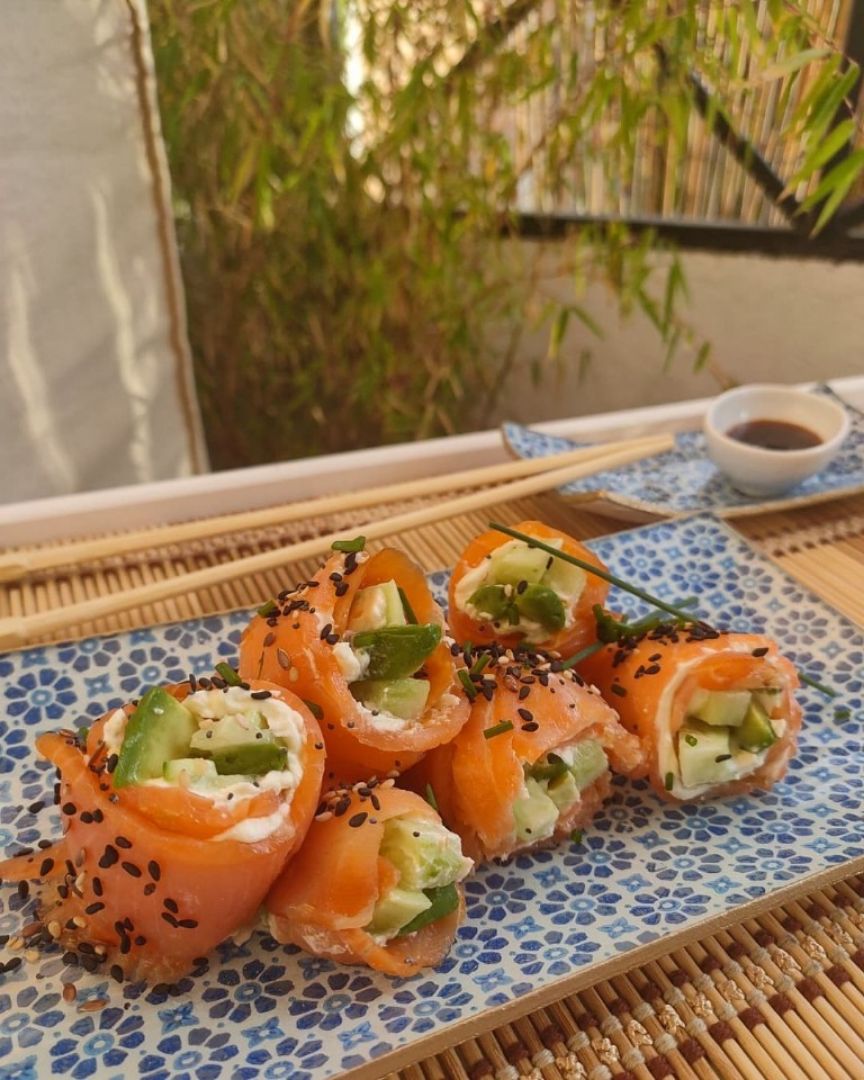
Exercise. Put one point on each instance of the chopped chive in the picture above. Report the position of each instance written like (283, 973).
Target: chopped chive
(228, 674)
(270, 608)
(430, 797)
(691, 740)
(583, 654)
(468, 686)
(347, 546)
(590, 568)
(497, 729)
(468, 651)
(406, 606)
(842, 714)
(826, 690)
(576, 836)
(479, 664)
(314, 708)
(669, 783)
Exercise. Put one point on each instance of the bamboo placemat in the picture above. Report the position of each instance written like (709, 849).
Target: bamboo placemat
(777, 996)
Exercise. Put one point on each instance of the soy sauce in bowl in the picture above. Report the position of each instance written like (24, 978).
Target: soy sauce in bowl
(774, 435)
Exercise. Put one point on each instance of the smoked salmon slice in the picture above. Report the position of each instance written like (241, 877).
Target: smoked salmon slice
(326, 897)
(301, 641)
(574, 619)
(528, 716)
(150, 877)
(656, 683)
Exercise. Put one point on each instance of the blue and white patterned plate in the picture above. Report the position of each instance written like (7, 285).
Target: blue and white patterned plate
(686, 481)
(645, 870)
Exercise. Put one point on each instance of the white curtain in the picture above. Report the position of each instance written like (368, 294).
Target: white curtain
(96, 386)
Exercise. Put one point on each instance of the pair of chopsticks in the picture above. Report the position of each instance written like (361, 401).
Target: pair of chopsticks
(521, 478)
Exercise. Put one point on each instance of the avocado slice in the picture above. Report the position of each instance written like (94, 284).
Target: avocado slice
(510, 565)
(376, 607)
(398, 908)
(405, 698)
(425, 853)
(159, 730)
(491, 601)
(193, 770)
(443, 901)
(395, 652)
(756, 733)
(237, 747)
(699, 748)
(541, 605)
(719, 708)
(535, 814)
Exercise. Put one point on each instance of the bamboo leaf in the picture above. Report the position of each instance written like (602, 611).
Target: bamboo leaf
(556, 334)
(841, 178)
(846, 173)
(790, 64)
(702, 356)
(822, 152)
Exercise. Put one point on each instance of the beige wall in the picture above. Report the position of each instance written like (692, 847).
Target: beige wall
(768, 320)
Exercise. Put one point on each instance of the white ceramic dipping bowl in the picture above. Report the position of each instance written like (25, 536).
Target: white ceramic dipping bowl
(755, 470)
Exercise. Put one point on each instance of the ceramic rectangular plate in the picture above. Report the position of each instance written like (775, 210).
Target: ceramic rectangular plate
(645, 876)
(685, 480)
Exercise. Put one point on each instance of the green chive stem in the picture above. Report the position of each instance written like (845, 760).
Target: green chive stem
(430, 798)
(228, 674)
(347, 546)
(497, 729)
(479, 664)
(468, 686)
(590, 568)
(632, 629)
(268, 609)
(826, 690)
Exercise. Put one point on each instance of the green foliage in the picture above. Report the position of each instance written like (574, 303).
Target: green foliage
(346, 179)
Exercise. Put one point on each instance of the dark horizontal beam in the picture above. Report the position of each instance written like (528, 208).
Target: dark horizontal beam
(691, 235)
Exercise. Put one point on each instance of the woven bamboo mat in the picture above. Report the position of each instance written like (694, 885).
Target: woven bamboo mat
(777, 996)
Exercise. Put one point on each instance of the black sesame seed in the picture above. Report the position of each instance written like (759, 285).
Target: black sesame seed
(109, 857)
(723, 757)
(23, 889)
(116, 973)
(121, 841)
(125, 945)
(111, 763)
(85, 817)
(619, 690)
(760, 652)
(532, 725)
(356, 820)
(46, 867)
(153, 870)
(131, 869)
(91, 909)
(69, 808)
(97, 886)
(149, 889)
(188, 924)
(140, 940)
(526, 715)
(260, 695)
(169, 918)
(171, 904)
(98, 815)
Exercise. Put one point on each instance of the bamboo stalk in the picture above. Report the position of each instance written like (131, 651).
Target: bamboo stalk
(15, 632)
(14, 565)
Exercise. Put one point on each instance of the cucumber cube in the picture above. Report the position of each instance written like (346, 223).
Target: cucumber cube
(535, 814)
(511, 564)
(587, 762)
(396, 909)
(719, 708)
(699, 748)
(425, 853)
(405, 698)
(376, 607)
(189, 770)
(565, 579)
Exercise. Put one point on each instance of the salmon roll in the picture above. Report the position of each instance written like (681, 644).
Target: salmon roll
(506, 591)
(375, 883)
(715, 712)
(178, 814)
(363, 642)
(533, 762)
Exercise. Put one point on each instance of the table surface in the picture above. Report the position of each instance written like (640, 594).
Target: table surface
(778, 995)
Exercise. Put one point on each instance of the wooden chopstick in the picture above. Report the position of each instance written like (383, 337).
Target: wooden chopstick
(16, 565)
(16, 631)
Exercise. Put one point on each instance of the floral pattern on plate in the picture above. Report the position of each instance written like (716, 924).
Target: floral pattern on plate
(643, 870)
(685, 480)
